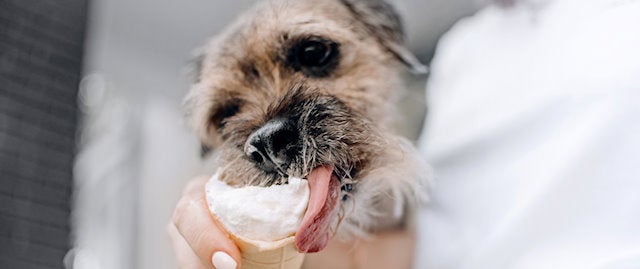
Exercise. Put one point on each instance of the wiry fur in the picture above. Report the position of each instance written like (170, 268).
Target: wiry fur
(343, 118)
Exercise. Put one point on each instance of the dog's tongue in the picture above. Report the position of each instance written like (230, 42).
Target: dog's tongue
(324, 191)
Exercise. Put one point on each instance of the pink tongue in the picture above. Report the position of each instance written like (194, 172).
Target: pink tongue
(324, 191)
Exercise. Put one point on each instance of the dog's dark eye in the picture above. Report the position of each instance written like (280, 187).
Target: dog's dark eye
(315, 57)
(222, 113)
(314, 53)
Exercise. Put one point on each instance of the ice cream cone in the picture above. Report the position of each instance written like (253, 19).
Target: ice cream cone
(270, 252)
(280, 254)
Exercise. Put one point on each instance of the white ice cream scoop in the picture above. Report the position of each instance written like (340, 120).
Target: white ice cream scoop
(262, 220)
(259, 213)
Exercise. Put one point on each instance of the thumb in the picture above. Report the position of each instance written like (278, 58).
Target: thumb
(194, 222)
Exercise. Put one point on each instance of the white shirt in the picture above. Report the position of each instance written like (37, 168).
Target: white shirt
(534, 134)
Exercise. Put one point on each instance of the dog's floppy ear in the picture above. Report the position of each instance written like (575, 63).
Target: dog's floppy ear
(382, 21)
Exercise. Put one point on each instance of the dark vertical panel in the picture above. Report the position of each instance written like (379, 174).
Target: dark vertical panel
(41, 45)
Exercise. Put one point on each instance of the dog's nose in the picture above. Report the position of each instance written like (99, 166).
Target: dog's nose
(274, 145)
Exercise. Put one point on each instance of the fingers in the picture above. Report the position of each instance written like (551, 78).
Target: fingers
(195, 224)
(187, 259)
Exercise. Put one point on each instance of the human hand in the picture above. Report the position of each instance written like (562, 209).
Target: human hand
(197, 240)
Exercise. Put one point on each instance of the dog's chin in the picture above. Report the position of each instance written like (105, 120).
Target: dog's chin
(384, 196)
(386, 193)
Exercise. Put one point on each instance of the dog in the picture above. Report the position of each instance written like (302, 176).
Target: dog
(306, 88)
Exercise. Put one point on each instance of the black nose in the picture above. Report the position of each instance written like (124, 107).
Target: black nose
(274, 145)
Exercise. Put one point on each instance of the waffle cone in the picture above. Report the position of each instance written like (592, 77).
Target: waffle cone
(281, 254)
(256, 254)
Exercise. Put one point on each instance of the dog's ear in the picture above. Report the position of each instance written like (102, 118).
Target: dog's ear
(382, 21)
(193, 71)
(194, 65)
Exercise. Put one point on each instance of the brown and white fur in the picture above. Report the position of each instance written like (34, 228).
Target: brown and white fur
(249, 75)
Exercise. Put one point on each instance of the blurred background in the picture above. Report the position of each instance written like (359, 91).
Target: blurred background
(532, 111)
(115, 149)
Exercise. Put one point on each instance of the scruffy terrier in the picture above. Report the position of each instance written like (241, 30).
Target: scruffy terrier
(306, 88)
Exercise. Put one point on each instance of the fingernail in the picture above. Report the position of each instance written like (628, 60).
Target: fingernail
(222, 260)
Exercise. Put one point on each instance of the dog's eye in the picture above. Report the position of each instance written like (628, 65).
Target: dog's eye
(314, 53)
(315, 57)
(224, 112)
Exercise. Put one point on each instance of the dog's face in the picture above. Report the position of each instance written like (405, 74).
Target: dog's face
(304, 88)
